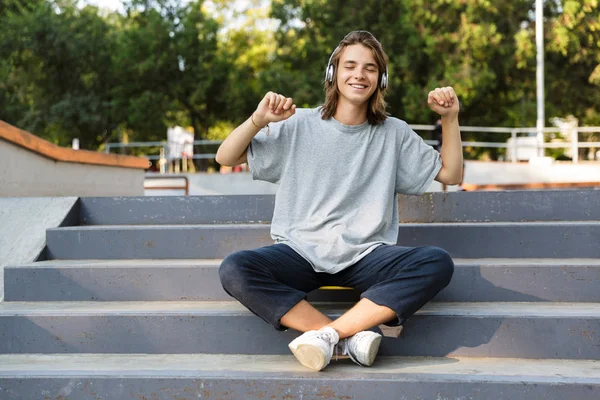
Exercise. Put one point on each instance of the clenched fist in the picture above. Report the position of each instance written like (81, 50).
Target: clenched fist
(274, 108)
(443, 101)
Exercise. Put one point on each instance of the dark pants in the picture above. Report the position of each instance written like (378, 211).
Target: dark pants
(271, 280)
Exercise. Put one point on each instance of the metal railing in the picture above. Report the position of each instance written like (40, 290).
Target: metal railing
(164, 146)
(574, 144)
(513, 145)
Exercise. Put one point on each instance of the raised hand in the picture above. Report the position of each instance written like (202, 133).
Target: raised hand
(273, 108)
(443, 101)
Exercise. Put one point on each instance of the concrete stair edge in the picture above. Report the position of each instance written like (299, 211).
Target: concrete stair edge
(388, 379)
(187, 365)
(475, 280)
(234, 308)
(508, 240)
(430, 207)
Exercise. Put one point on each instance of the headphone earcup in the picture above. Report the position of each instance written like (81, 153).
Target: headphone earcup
(329, 73)
(384, 81)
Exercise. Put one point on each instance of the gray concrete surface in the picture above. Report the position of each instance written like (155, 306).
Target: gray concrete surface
(401, 368)
(156, 210)
(462, 240)
(525, 330)
(187, 377)
(540, 306)
(559, 280)
(26, 174)
(155, 241)
(23, 223)
(516, 206)
(476, 172)
(241, 183)
(507, 239)
(482, 172)
(501, 206)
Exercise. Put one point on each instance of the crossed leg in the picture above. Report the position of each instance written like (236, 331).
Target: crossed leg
(364, 315)
(395, 282)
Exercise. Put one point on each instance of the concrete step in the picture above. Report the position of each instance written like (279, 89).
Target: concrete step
(498, 206)
(501, 206)
(563, 280)
(527, 330)
(172, 210)
(463, 240)
(219, 376)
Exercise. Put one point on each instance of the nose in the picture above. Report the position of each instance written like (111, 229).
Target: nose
(359, 74)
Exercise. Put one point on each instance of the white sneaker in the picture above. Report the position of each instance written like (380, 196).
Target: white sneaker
(314, 348)
(362, 347)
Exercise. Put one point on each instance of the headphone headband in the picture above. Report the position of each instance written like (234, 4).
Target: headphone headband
(330, 70)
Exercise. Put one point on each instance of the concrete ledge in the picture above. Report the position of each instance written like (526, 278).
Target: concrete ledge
(461, 240)
(517, 206)
(438, 329)
(42, 147)
(162, 377)
(532, 186)
(177, 210)
(513, 206)
(24, 173)
(24, 223)
(568, 280)
(33, 167)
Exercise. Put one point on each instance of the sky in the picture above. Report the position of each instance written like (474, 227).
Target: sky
(239, 5)
(117, 5)
(110, 4)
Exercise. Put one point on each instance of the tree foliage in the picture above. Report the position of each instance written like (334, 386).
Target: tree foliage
(100, 76)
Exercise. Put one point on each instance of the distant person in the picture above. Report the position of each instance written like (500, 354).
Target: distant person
(339, 226)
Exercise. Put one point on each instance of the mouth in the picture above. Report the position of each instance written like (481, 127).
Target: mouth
(358, 86)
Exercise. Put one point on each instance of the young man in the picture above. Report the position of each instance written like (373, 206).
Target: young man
(335, 221)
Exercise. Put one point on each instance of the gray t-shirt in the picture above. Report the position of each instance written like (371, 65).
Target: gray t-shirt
(336, 200)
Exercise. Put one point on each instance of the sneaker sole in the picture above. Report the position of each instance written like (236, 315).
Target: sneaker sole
(369, 357)
(309, 356)
(373, 349)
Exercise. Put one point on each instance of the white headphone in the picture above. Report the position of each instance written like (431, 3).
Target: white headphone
(330, 72)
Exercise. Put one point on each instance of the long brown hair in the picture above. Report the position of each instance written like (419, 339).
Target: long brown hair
(376, 110)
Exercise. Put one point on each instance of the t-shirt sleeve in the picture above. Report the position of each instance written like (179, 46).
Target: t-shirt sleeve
(267, 154)
(418, 163)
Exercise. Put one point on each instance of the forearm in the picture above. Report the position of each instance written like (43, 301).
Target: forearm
(233, 150)
(272, 108)
(451, 152)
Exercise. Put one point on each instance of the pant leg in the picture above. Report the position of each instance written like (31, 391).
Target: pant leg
(400, 278)
(269, 281)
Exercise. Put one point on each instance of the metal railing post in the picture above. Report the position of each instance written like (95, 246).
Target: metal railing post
(575, 145)
(162, 161)
(513, 134)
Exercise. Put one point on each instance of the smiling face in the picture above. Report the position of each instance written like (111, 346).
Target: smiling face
(354, 91)
(357, 75)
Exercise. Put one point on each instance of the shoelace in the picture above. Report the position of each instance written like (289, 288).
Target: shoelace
(346, 347)
(341, 347)
(326, 336)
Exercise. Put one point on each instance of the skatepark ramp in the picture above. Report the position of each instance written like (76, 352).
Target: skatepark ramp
(124, 302)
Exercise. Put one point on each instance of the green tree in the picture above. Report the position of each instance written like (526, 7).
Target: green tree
(60, 72)
(469, 45)
(247, 47)
(169, 61)
(573, 61)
